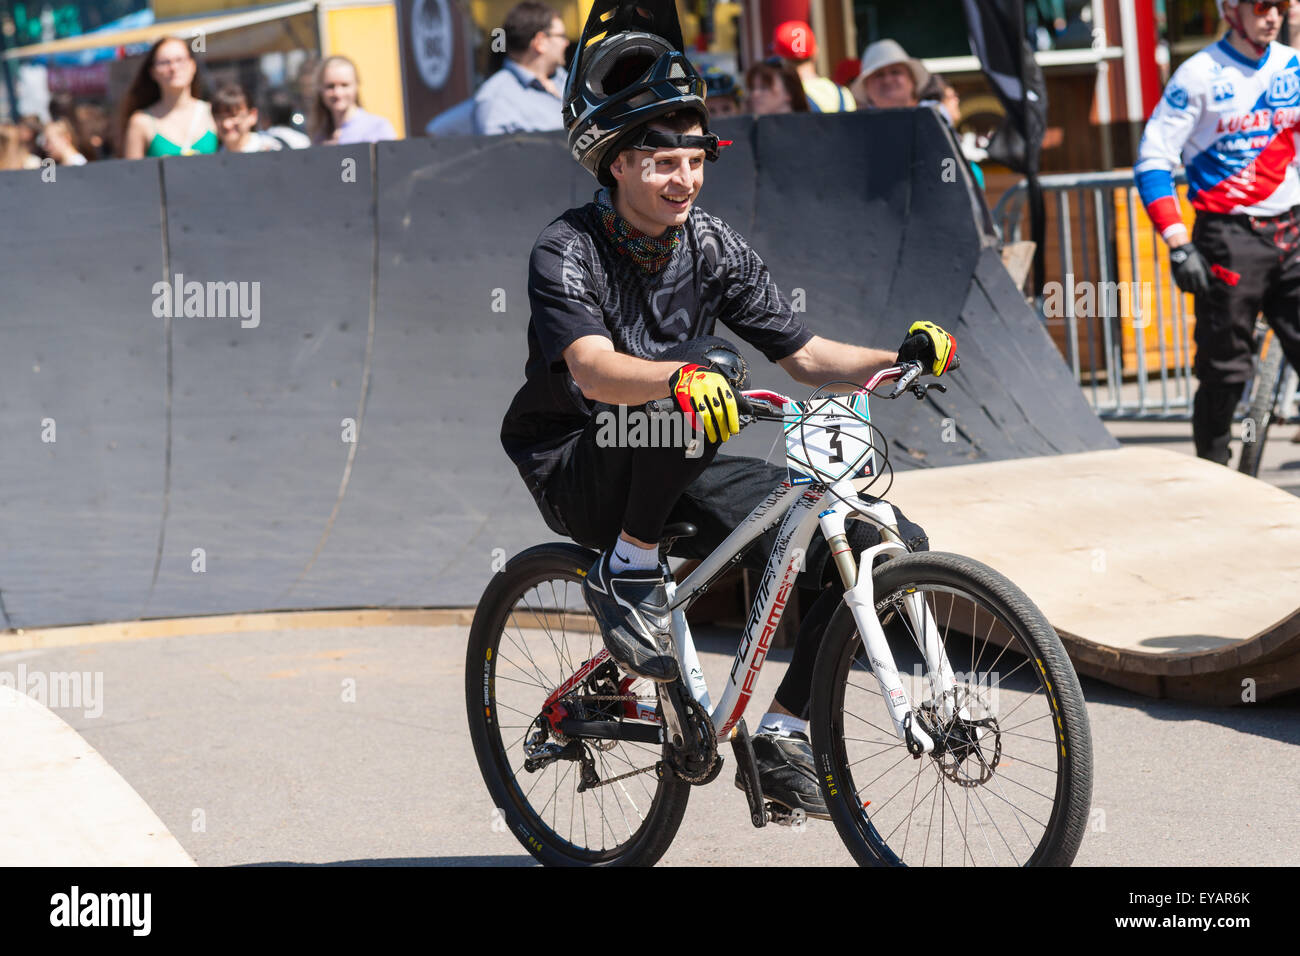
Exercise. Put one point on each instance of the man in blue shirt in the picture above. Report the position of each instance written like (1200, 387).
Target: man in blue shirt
(525, 95)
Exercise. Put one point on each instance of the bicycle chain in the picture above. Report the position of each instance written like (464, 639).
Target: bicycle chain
(614, 697)
(711, 744)
(710, 771)
(624, 776)
(711, 738)
(602, 745)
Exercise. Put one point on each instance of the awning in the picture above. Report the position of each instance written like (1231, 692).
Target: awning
(185, 28)
(1090, 56)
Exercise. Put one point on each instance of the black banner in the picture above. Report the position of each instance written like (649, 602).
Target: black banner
(997, 37)
(437, 62)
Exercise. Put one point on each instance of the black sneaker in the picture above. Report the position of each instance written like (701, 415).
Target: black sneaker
(635, 619)
(787, 773)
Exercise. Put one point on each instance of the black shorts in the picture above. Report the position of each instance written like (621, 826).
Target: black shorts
(1256, 266)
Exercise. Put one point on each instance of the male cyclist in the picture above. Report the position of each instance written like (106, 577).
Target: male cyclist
(625, 294)
(1230, 115)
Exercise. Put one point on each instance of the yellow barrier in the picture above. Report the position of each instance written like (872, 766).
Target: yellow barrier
(1155, 293)
(367, 35)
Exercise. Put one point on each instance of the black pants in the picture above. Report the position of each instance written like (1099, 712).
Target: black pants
(1256, 265)
(597, 490)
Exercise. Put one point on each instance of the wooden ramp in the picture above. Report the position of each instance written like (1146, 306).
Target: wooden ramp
(1162, 573)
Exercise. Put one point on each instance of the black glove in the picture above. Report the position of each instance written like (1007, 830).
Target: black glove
(931, 346)
(1190, 269)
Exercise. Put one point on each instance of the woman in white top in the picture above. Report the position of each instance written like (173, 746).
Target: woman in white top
(58, 142)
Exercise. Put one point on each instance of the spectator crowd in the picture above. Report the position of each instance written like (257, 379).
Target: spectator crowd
(164, 111)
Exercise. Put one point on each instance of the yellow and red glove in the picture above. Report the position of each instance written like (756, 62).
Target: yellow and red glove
(706, 400)
(930, 345)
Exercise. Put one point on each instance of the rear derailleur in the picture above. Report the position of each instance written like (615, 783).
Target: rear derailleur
(541, 753)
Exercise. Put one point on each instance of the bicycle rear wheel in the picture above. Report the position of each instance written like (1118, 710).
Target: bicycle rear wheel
(531, 632)
(1011, 783)
(1263, 400)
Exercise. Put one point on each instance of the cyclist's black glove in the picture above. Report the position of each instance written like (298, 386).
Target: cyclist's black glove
(930, 345)
(1190, 269)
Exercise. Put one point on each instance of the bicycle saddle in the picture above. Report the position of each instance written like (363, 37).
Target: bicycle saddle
(682, 529)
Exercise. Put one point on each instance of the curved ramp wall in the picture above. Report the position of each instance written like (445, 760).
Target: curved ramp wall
(330, 438)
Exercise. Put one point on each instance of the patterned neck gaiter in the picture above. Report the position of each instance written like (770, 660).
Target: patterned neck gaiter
(650, 254)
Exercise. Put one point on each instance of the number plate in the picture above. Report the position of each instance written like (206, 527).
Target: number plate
(828, 440)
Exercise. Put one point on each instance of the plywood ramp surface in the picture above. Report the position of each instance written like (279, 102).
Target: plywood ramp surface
(1148, 563)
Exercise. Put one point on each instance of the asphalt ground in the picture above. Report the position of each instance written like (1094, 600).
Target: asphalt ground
(349, 746)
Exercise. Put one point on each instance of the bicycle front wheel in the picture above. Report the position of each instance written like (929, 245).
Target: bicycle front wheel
(531, 632)
(1011, 781)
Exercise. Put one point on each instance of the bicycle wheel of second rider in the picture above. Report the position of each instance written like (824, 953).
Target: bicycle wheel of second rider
(1268, 381)
(531, 632)
(1012, 781)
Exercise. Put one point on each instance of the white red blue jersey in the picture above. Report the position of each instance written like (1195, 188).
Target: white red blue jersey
(1231, 121)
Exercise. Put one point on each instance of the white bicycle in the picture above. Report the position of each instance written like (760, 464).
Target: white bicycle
(946, 719)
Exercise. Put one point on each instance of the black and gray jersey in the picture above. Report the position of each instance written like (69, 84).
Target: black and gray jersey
(579, 284)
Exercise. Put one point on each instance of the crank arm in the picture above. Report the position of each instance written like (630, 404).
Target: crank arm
(747, 765)
(674, 721)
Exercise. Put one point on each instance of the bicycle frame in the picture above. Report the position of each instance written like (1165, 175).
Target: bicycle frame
(801, 509)
(800, 513)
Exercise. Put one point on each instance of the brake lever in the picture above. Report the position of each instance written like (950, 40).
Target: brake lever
(920, 388)
(905, 380)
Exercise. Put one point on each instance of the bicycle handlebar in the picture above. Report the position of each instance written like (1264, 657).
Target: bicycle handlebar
(764, 403)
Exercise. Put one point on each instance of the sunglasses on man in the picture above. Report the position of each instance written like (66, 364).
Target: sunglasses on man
(1263, 6)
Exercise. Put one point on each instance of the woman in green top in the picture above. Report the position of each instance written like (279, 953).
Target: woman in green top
(162, 114)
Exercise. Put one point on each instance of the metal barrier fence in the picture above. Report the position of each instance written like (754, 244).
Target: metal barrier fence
(1087, 257)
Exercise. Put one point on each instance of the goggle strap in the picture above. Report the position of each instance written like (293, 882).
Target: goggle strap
(653, 139)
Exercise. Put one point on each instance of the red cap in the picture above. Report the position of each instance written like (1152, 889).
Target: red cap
(846, 71)
(794, 40)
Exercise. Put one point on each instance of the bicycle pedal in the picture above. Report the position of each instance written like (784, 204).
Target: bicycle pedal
(783, 816)
(747, 771)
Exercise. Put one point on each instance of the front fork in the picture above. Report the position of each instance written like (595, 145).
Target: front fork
(859, 594)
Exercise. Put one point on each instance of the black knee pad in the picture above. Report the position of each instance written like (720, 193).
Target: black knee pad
(712, 352)
(913, 534)
(864, 534)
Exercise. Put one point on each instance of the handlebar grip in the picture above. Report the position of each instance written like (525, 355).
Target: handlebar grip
(954, 364)
(664, 405)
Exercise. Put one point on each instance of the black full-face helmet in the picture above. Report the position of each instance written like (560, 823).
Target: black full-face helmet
(629, 69)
